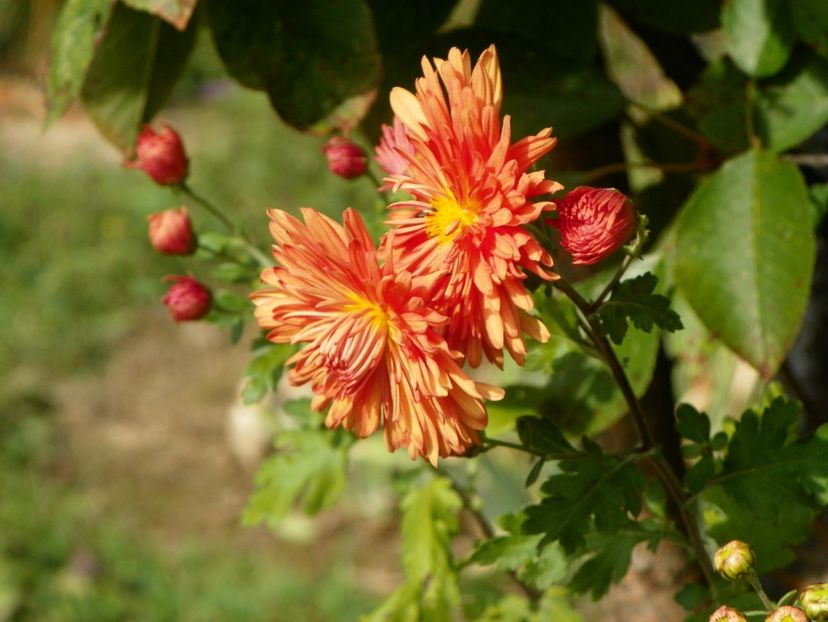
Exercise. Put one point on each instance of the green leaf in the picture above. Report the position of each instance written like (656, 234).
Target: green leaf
(429, 523)
(819, 200)
(745, 253)
(633, 300)
(691, 596)
(543, 436)
(691, 424)
(176, 12)
(73, 46)
(600, 489)
(760, 35)
(678, 17)
(133, 72)
(264, 370)
(311, 58)
(771, 486)
(231, 301)
(310, 470)
(810, 17)
(793, 105)
(608, 564)
(235, 273)
(717, 102)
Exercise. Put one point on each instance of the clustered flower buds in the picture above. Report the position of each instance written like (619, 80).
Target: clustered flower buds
(594, 223)
(187, 299)
(735, 560)
(727, 614)
(345, 157)
(160, 155)
(787, 613)
(171, 232)
(814, 600)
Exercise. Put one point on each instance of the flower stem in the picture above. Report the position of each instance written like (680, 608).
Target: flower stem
(228, 224)
(663, 469)
(489, 442)
(757, 586)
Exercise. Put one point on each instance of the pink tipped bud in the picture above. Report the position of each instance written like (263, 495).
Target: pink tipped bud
(594, 223)
(734, 561)
(171, 232)
(814, 600)
(345, 158)
(187, 299)
(787, 614)
(393, 144)
(727, 614)
(160, 155)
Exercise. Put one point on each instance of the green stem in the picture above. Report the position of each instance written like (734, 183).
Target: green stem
(757, 586)
(489, 443)
(613, 282)
(228, 224)
(700, 139)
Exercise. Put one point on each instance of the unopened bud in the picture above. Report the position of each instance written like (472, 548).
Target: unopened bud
(814, 600)
(345, 157)
(187, 299)
(787, 614)
(171, 232)
(160, 155)
(735, 560)
(727, 614)
(594, 223)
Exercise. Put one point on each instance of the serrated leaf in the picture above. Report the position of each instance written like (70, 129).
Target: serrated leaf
(309, 57)
(601, 490)
(543, 436)
(760, 35)
(133, 72)
(607, 565)
(691, 424)
(745, 253)
(176, 12)
(73, 46)
(771, 487)
(310, 471)
(429, 523)
(633, 300)
(506, 552)
(534, 472)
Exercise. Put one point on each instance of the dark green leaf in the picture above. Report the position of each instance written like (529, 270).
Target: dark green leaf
(717, 103)
(234, 273)
(745, 253)
(793, 105)
(691, 596)
(313, 58)
(810, 17)
(543, 436)
(633, 300)
(535, 472)
(819, 200)
(309, 469)
(760, 35)
(601, 490)
(771, 486)
(133, 72)
(679, 17)
(607, 565)
(176, 12)
(691, 424)
(73, 46)
(699, 474)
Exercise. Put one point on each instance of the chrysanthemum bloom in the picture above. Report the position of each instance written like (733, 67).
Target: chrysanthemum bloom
(594, 223)
(472, 195)
(373, 353)
(393, 144)
(160, 155)
(814, 599)
(345, 158)
(788, 613)
(187, 299)
(727, 614)
(171, 232)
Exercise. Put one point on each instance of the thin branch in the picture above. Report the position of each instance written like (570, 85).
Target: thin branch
(666, 167)
(696, 137)
(814, 160)
(613, 282)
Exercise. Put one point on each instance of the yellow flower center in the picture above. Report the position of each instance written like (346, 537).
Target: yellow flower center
(377, 315)
(448, 217)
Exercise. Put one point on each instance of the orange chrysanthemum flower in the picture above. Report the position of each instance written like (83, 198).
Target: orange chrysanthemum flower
(373, 353)
(472, 195)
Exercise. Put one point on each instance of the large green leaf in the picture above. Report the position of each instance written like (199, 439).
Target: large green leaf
(793, 105)
(176, 12)
(73, 46)
(760, 35)
(133, 72)
(810, 17)
(717, 102)
(311, 58)
(745, 254)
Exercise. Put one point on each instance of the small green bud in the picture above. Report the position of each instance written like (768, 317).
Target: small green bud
(735, 560)
(727, 614)
(787, 614)
(814, 599)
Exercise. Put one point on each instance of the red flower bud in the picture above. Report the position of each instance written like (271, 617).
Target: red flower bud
(187, 299)
(171, 232)
(787, 614)
(160, 155)
(727, 614)
(345, 158)
(594, 223)
(735, 560)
